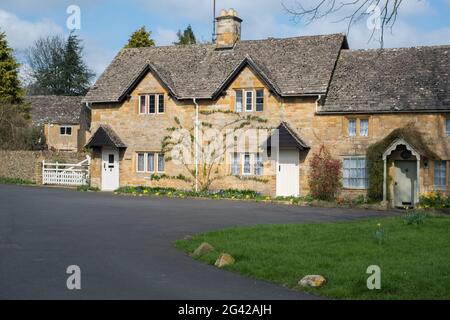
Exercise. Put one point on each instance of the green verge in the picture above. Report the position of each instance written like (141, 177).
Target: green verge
(414, 259)
(6, 180)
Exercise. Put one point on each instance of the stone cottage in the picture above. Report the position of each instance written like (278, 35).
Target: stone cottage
(63, 119)
(314, 89)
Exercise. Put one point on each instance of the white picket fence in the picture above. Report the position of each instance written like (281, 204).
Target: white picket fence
(66, 174)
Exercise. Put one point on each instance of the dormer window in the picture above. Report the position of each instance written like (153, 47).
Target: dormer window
(151, 104)
(249, 100)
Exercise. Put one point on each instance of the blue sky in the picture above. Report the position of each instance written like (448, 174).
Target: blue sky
(107, 24)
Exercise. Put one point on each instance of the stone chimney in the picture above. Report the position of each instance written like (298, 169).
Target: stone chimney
(228, 28)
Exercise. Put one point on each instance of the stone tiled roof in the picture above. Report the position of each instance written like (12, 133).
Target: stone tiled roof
(293, 66)
(390, 80)
(105, 136)
(55, 109)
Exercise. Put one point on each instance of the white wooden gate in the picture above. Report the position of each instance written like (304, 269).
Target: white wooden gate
(66, 174)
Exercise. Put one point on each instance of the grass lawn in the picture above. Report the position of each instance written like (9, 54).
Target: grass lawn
(414, 260)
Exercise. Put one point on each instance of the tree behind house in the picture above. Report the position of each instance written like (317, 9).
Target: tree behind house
(10, 89)
(58, 67)
(186, 37)
(140, 38)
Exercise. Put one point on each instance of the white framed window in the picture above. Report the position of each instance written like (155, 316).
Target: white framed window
(246, 164)
(152, 104)
(146, 162)
(259, 100)
(355, 175)
(65, 130)
(352, 127)
(161, 103)
(140, 167)
(161, 163)
(248, 101)
(142, 104)
(235, 166)
(239, 98)
(364, 127)
(440, 173)
(258, 165)
(150, 162)
(447, 127)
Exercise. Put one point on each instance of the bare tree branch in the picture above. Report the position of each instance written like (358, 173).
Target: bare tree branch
(380, 14)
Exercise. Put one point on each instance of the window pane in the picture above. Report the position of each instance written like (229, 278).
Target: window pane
(259, 100)
(247, 165)
(161, 163)
(354, 173)
(161, 103)
(68, 131)
(239, 101)
(258, 165)
(142, 104)
(440, 173)
(62, 130)
(364, 128)
(151, 162)
(140, 164)
(352, 127)
(248, 100)
(152, 104)
(447, 127)
(235, 164)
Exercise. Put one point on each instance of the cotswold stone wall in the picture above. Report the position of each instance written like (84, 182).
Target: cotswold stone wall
(27, 165)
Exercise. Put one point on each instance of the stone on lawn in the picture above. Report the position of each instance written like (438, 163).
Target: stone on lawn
(314, 281)
(224, 260)
(204, 248)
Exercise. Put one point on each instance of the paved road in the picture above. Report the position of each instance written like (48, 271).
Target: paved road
(124, 245)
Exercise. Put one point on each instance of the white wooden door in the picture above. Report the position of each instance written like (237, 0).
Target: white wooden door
(288, 173)
(405, 182)
(110, 169)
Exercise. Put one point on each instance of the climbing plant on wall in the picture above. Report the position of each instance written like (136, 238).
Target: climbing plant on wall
(179, 144)
(375, 161)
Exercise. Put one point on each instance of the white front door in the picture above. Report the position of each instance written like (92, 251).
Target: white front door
(288, 173)
(110, 169)
(405, 183)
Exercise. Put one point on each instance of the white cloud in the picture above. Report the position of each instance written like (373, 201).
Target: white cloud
(22, 33)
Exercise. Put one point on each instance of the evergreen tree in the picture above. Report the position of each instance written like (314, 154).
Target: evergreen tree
(140, 38)
(10, 89)
(75, 74)
(186, 37)
(58, 67)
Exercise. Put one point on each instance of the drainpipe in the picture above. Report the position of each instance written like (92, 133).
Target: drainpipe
(194, 100)
(317, 102)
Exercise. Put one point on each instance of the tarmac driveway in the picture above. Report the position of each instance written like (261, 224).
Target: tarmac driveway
(123, 245)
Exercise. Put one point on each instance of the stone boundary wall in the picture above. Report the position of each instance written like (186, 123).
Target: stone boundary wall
(27, 165)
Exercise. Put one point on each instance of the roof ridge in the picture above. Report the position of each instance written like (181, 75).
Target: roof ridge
(207, 45)
(397, 48)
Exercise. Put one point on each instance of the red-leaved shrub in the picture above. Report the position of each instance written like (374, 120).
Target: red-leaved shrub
(325, 175)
